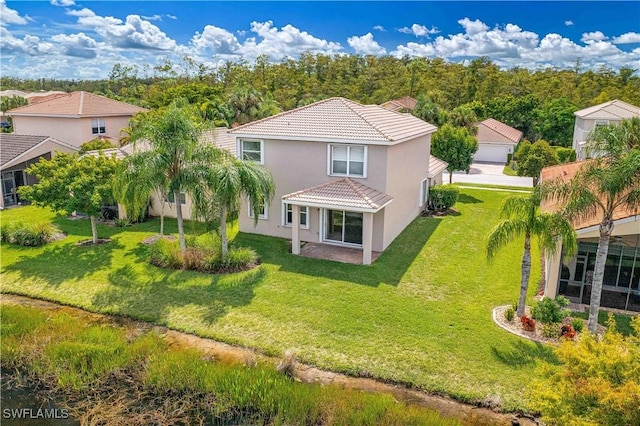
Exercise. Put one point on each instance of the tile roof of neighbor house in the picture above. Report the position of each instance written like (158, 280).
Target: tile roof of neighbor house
(514, 135)
(338, 119)
(612, 110)
(119, 153)
(566, 172)
(77, 104)
(436, 166)
(221, 138)
(342, 193)
(400, 104)
(12, 145)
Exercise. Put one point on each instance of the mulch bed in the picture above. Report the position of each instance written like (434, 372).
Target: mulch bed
(154, 238)
(440, 213)
(90, 242)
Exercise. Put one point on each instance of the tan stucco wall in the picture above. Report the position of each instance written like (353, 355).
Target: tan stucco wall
(74, 131)
(170, 208)
(297, 165)
(407, 165)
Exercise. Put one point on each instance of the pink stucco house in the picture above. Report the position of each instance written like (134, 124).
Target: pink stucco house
(346, 174)
(74, 118)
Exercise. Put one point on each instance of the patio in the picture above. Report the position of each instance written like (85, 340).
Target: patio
(335, 253)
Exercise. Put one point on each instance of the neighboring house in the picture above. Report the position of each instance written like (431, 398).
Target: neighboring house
(599, 115)
(436, 168)
(17, 152)
(621, 285)
(346, 174)
(75, 118)
(496, 141)
(403, 104)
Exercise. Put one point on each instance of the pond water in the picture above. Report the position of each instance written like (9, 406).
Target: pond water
(20, 406)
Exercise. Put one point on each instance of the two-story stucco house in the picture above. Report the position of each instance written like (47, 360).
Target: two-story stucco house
(603, 114)
(74, 118)
(346, 174)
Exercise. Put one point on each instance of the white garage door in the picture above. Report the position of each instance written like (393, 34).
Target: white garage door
(491, 153)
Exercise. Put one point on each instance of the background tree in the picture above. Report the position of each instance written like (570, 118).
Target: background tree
(67, 184)
(464, 116)
(170, 156)
(555, 120)
(523, 218)
(598, 189)
(230, 180)
(532, 158)
(455, 146)
(429, 111)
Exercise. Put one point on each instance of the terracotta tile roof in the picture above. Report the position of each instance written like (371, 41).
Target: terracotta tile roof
(343, 193)
(612, 110)
(221, 138)
(120, 153)
(77, 104)
(400, 104)
(566, 172)
(436, 166)
(514, 135)
(338, 119)
(12, 145)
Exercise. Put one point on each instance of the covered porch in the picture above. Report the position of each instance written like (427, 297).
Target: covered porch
(335, 253)
(347, 210)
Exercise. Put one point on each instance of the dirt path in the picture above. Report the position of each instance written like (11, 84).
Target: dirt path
(468, 414)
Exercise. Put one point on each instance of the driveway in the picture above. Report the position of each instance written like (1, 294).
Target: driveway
(490, 174)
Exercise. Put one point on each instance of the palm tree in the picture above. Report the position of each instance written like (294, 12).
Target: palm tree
(170, 159)
(227, 182)
(599, 189)
(615, 139)
(523, 218)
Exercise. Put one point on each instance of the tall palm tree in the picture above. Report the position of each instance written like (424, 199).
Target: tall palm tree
(229, 180)
(615, 139)
(600, 188)
(170, 158)
(523, 218)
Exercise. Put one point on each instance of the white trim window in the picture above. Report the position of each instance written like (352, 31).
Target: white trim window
(287, 216)
(424, 192)
(98, 126)
(172, 199)
(347, 160)
(264, 211)
(251, 150)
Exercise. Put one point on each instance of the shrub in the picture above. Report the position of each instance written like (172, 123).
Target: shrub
(550, 310)
(166, 254)
(121, 223)
(567, 331)
(241, 257)
(443, 197)
(550, 330)
(94, 144)
(528, 323)
(27, 234)
(577, 324)
(565, 155)
(509, 314)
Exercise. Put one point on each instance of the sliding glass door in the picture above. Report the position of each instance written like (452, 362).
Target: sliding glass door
(343, 227)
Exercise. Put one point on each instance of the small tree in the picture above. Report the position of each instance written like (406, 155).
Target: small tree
(455, 146)
(597, 383)
(67, 184)
(531, 159)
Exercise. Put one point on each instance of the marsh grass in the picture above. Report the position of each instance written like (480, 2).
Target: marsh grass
(109, 377)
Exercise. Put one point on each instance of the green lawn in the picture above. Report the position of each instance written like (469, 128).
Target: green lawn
(509, 171)
(421, 314)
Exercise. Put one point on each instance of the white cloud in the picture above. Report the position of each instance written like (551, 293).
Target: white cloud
(568, 23)
(218, 40)
(473, 27)
(78, 45)
(28, 45)
(63, 3)
(152, 17)
(11, 16)
(287, 41)
(418, 30)
(366, 45)
(379, 28)
(174, 17)
(134, 33)
(627, 38)
(593, 36)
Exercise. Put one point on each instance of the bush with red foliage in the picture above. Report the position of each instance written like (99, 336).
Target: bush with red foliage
(528, 323)
(567, 331)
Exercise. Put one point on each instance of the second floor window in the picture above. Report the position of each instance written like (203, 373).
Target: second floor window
(251, 150)
(348, 160)
(98, 126)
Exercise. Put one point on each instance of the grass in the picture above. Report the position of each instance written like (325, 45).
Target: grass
(421, 314)
(80, 358)
(509, 171)
(503, 187)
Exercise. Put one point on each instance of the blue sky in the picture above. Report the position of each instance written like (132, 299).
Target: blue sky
(84, 39)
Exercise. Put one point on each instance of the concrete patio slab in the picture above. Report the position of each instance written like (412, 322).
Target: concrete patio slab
(335, 253)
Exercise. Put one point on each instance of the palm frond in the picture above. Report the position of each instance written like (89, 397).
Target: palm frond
(503, 233)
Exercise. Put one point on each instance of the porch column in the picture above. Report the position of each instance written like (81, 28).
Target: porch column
(367, 237)
(552, 272)
(295, 229)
